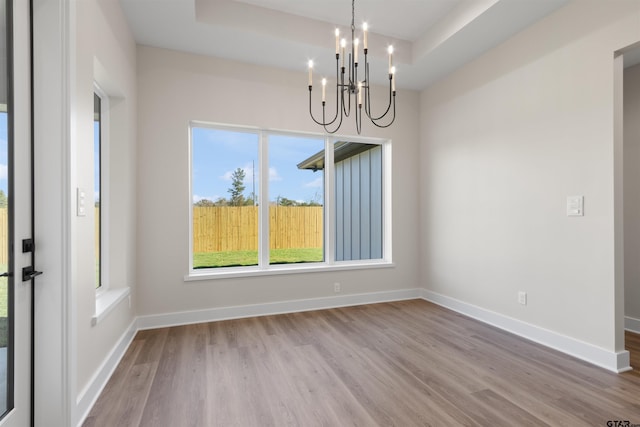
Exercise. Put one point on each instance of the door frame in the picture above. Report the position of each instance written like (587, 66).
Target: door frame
(53, 54)
(618, 207)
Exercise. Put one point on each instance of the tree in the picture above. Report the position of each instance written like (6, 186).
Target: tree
(283, 201)
(3, 199)
(204, 203)
(221, 201)
(237, 188)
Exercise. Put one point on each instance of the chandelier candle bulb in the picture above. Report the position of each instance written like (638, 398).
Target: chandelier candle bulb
(324, 87)
(310, 73)
(390, 50)
(337, 41)
(393, 79)
(365, 27)
(356, 43)
(360, 93)
(343, 45)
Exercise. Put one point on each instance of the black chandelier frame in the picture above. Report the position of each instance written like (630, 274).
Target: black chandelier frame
(348, 85)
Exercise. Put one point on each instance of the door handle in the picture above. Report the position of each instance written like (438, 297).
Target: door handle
(28, 273)
(6, 274)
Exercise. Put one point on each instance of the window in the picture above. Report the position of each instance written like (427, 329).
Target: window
(225, 203)
(108, 294)
(358, 195)
(97, 181)
(296, 201)
(314, 215)
(100, 185)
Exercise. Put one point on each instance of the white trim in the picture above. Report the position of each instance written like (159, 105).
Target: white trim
(89, 395)
(55, 106)
(106, 301)
(189, 205)
(295, 306)
(263, 195)
(632, 324)
(387, 206)
(329, 202)
(229, 272)
(616, 362)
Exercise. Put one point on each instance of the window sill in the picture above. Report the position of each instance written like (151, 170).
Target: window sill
(231, 272)
(106, 301)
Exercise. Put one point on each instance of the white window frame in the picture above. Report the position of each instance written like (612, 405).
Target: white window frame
(107, 296)
(104, 189)
(329, 263)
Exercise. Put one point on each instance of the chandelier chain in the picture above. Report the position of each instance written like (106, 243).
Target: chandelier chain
(353, 17)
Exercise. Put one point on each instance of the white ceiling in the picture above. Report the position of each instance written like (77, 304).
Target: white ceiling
(431, 37)
(383, 16)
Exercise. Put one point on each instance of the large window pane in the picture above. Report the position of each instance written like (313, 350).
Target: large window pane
(358, 200)
(224, 197)
(296, 205)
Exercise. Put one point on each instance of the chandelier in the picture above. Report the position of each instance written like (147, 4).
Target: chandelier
(348, 85)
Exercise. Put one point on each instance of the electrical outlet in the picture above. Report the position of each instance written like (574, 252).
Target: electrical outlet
(337, 287)
(522, 298)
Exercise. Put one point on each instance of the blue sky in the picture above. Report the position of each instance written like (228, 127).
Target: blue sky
(217, 153)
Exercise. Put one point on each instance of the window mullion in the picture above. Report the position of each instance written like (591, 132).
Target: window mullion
(263, 201)
(386, 203)
(329, 202)
(191, 204)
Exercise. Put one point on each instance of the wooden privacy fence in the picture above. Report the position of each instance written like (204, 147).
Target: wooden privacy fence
(235, 228)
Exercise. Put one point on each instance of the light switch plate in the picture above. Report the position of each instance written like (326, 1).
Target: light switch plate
(575, 206)
(81, 202)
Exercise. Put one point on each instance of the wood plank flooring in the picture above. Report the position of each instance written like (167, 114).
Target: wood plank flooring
(632, 344)
(408, 363)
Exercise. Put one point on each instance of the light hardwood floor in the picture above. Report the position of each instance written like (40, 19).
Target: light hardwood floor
(408, 363)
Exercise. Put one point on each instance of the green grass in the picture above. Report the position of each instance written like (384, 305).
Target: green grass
(246, 258)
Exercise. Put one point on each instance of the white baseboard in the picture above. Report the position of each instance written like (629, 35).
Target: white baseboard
(616, 362)
(632, 325)
(88, 396)
(294, 306)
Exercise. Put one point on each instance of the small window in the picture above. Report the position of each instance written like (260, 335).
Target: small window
(97, 179)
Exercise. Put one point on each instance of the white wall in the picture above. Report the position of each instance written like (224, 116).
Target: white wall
(174, 88)
(631, 193)
(106, 51)
(504, 140)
